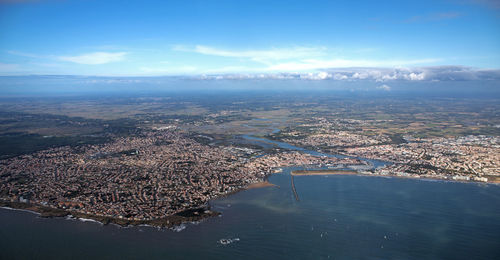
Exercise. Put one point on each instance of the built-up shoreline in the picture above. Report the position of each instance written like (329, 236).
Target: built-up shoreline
(191, 215)
(323, 172)
(172, 221)
(198, 213)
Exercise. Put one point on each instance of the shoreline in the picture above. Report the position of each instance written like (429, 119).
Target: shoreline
(259, 185)
(198, 213)
(359, 173)
(187, 216)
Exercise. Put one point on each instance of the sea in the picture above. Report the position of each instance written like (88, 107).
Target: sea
(335, 217)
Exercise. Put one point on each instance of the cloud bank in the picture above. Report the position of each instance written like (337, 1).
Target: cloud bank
(384, 87)
(435, 73)
(297, 58)
(95, 58)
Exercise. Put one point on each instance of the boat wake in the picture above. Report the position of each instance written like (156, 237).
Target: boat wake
(227, 241)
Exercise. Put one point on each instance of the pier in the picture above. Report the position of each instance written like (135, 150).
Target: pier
(294, 190)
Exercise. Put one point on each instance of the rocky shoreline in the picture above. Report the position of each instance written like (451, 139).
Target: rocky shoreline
(186, 216)
(190, 215)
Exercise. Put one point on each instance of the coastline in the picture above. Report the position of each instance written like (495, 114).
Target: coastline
(190, 215)
(200, 213)
(172, 221)
(360, 173)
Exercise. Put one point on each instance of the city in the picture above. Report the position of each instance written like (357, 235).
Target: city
(219, 129)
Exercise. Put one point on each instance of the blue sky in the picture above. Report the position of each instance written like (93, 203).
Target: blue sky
(148, 38)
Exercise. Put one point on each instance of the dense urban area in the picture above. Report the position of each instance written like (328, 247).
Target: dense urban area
(137, 164)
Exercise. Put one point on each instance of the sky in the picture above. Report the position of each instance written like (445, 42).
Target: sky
(318, 38)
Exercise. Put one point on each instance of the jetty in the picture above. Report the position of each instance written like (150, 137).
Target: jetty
(294, 190)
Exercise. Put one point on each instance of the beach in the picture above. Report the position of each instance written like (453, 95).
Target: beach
(260, 185)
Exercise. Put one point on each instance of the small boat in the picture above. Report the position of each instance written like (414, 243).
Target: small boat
(227, 241)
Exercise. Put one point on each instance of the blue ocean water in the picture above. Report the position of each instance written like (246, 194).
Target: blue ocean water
(337, 217)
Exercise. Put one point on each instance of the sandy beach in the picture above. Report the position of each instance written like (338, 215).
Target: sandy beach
(260, 185)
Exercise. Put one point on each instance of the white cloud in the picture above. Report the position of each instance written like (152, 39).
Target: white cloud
(313, 64)
(296, 59)
(416, 76)
(262, 56)
(88, 58)
(7, 67)
(384, 87)
(436, 73)
(95, 58)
